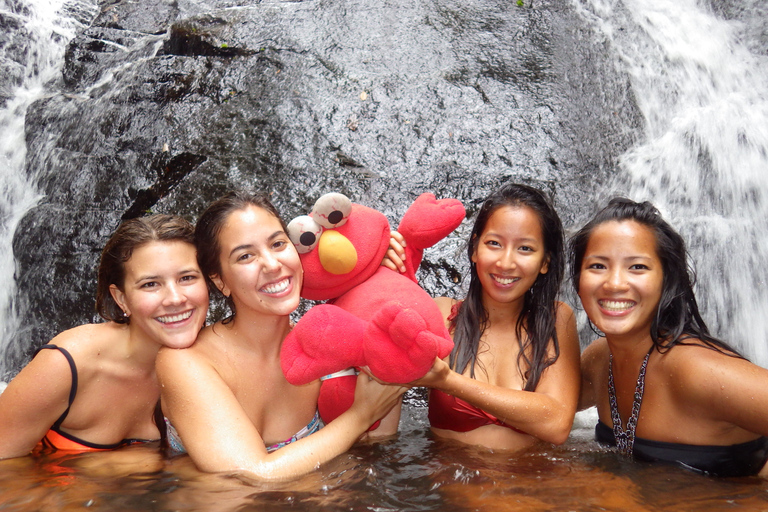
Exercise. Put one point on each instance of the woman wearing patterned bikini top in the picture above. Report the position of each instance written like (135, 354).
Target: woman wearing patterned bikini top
(96, 388)
(226, 395)
(657, 377)
(513, 376)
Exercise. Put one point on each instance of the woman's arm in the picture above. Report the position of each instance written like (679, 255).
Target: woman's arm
(32, 402)
(546, 413)
(591, 359)
(219, 436)
(389, 423)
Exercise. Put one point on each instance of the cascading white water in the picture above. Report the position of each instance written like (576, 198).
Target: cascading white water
(697, 80)
(36, 35)
(704, 162)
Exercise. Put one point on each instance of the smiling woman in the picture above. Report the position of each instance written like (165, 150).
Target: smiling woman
(163, 292)
(657, 367)
(621, 281)
(94, 387)
(512, 377)
(226, 398)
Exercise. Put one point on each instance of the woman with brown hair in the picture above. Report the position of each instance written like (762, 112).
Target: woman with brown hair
(512, 378)
(226, 397)
(94, 387)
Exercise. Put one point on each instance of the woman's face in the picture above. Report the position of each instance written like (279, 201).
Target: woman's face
(510, 254)
(260, 268)
(621, 279)
(164, 293)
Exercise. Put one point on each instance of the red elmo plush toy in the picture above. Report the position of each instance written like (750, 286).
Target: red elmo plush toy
(374, 317)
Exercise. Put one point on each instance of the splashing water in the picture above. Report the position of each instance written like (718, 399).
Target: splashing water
(31, 53)
(704, 162)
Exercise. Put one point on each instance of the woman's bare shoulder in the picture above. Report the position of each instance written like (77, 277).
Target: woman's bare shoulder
(89, 339)
(204, 349)
(564, 314)
(563, 309)
(720, 385)
(445, 304)
(595, 355)
(693, 363)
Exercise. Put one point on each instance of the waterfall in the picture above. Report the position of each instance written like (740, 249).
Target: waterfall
(699, 82)
(32, 45)
(702, 87)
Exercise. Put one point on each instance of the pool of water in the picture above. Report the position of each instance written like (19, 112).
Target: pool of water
(412, 472)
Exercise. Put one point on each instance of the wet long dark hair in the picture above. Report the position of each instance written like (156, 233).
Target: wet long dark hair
(128, 237)
(677, 317)
(535, 327)
(209, 227)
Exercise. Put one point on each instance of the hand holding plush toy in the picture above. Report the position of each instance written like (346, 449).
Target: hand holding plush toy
(374, 317)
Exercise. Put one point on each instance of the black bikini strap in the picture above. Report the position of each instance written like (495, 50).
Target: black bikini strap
(73, 389)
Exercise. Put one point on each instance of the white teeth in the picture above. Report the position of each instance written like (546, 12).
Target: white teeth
(505, 280)
(277, 287)
(175, 318)
(616, 305)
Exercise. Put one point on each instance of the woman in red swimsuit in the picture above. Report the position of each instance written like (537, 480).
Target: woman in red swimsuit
(513, 376)
(94, 387)
(704, 407)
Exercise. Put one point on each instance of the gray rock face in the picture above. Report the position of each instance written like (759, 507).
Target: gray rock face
(167, 105)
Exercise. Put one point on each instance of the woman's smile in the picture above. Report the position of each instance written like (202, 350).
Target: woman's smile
(617, 306)
(510, 254)
(277, 287)
(175, 318)
(621, 279)
(504, 281)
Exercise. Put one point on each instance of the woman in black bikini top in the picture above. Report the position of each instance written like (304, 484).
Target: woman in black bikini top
(665, 389)
(95, 389)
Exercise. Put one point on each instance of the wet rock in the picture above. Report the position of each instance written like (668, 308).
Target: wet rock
(202, 37)
(12, 48)
(97, 51)
(138, 16)
(170, 174)
(169, 110)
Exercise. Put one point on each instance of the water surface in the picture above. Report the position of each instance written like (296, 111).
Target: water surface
(413, 472)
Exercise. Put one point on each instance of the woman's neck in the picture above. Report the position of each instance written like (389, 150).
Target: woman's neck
(502, 315)
(137, 347)
(628, 348)
(261, 332)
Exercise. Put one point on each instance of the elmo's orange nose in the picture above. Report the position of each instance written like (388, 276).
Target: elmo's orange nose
(337, 254)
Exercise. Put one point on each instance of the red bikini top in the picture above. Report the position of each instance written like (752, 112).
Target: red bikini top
(450, 413)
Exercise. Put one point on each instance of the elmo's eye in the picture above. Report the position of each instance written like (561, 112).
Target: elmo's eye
(332, 210)
(304, 233)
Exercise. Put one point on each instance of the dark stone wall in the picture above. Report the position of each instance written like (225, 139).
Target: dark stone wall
(164, 106)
